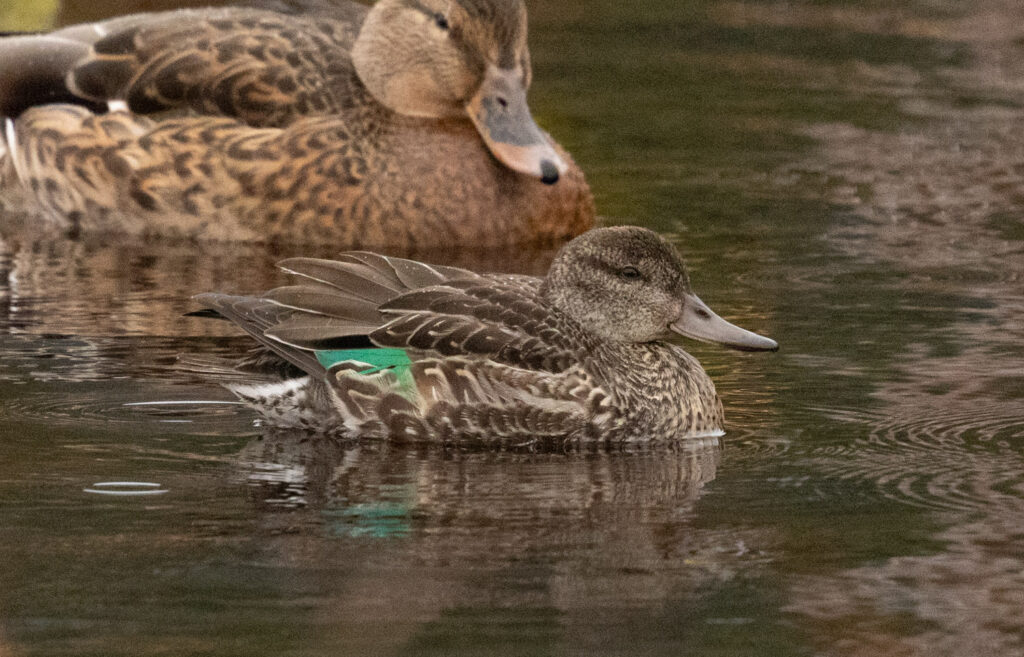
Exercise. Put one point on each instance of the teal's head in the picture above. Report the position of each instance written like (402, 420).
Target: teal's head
(627, 284)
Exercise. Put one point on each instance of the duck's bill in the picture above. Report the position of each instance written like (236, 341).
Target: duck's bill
(503, 119)
(701, 323)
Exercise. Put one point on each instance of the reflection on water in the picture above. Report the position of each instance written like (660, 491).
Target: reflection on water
(936, 199)
(49, 284)
(286, 470)
(845, 176)
(963, 600)
(580, 533)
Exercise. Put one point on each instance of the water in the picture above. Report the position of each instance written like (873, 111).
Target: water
(843, 176)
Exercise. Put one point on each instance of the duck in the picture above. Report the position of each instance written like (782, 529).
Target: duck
(404, 125)
(389, 348)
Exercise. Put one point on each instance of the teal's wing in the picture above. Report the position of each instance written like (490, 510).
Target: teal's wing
(325, 320)
(500, 318)
(255, 315)
(374, 359)
(368, 362)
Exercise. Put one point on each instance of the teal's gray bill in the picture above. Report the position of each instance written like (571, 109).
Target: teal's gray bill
(701, 323)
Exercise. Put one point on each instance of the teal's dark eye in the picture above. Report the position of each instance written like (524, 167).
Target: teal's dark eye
(441, 21)
(630, 273)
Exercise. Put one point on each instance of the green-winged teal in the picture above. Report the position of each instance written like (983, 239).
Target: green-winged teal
(402, 125)
(400, 349)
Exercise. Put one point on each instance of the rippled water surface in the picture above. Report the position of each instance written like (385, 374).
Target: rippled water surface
(847, 177)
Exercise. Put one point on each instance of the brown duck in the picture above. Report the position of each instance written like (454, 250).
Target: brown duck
(403, 125)
(394, 348)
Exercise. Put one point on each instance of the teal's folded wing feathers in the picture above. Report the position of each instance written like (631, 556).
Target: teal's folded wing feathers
(375, 359)
(502, 318)
(367, 362)
(333, 310)
(254, 315)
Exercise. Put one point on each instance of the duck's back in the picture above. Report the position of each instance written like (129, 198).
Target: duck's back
(264, 67)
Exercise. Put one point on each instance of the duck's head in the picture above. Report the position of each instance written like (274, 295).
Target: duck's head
(627, 284)
(458, 58)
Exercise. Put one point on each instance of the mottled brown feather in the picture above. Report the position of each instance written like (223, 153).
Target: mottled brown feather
(265, 68)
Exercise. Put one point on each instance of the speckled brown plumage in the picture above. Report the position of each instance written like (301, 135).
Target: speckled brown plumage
(578, 355)
(247, 124)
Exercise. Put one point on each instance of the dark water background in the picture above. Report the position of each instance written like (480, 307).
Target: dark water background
(847, 177)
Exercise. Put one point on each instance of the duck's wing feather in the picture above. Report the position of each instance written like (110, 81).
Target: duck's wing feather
(376, 277)
(410, 305)
(337, 9)
(442, 310)
(501, 318)
(263, 67)
(431, 310)
(336, 306)
(493, 362)
(254, 316)
(34, 68)
(201, 176)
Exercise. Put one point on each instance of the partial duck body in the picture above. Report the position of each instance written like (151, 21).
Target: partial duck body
(404, 125)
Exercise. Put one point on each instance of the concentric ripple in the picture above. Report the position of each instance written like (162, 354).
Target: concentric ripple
(960, 458)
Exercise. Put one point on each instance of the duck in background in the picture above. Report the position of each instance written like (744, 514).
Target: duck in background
(392, 348)
(404, 125)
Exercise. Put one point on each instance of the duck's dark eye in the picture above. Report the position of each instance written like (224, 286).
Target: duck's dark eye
(630, 273)
(441, 21)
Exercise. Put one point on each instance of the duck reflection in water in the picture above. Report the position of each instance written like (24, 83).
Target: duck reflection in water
(284, 469)
(422, 530)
